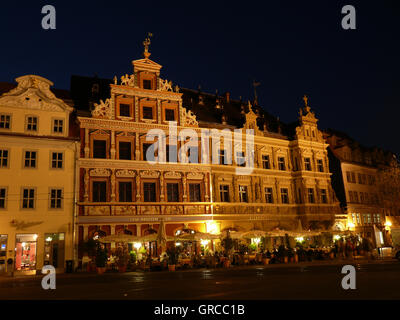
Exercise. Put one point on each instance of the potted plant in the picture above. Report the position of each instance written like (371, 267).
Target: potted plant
(123, 259)
(227, 244)
(132, 260)
(101, 259)
(173, 256)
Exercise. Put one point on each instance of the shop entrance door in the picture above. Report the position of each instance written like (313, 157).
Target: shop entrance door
(25, 253)
(54, 249)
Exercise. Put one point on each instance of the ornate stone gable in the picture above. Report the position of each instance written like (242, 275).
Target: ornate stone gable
(251, 121)
(308, 129)
(33, 92)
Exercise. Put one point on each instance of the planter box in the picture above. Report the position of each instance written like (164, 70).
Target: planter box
(171, 267)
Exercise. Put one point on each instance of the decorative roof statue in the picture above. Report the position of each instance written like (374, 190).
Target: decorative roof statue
(307, 107)
(146, 44)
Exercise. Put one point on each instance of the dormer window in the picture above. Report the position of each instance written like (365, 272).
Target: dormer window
(147, 84)
(31, 123)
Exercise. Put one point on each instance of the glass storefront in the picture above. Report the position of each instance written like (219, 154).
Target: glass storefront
(3, 252)
(25, 252)
(54, 249)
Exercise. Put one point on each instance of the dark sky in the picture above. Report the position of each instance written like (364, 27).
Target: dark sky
(293, 48)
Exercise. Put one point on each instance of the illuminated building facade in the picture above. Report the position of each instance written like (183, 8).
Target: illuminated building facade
(37, 175)
(122, 192)
(366, 182)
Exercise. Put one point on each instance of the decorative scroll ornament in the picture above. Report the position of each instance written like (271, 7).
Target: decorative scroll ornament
(100, 172)
(125, 173)
(189, 118)
(149, 174)
(172, 175)
(195, 176)
(102, 109)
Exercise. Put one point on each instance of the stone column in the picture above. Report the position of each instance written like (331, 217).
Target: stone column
(85, 232)
(86, 191)
(206, 188)
(112, 230)
(159, 113)
(87, 143)
(136, 108)
(184, 180)
(112, 150)
(113, 190)
(137, 147)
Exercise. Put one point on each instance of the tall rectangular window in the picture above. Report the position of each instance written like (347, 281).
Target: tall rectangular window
(3, 158)
(149, 192)
(348, 175)
(320, 165)
(3, 194)
(240, 159)
(124, 110)
(355, 194)
(171, 153)
(243, 194)
(307, 164)
(31, 123)
(281, 163)
(5, 121)
(57, 160)
(125, 191)
(99, 192)
(28, 198)
(224, 192)
(353, 177)
(148, 113)
(58, 126)
(100, 149)
(56, 198)
(173, 192)
(324, 198)
(194, 192)
(284, 195)
(311, 198)
(169, 115)
(124, 150)
(222, 156)
(30, 159)
(265, 162)
(268, 195)
(152, 155)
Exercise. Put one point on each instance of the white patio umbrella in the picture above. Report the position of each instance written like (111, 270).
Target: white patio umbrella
(161, 235)
(253, 234)
(198, 236)
(125, 238)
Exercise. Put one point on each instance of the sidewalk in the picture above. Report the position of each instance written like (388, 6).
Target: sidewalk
(304, 264)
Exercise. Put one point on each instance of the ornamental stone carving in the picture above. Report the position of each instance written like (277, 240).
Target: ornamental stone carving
(195, 176)
(164, 85)
(173, 175)
(100, 172)
(125, 173)
(33, 92)
(149, 174)
(189, 118)
(102, 109)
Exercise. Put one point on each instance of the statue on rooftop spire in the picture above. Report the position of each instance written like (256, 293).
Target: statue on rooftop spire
(146, 44)
(307, 107)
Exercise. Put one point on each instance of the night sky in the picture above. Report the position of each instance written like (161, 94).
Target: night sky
(292, 48)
